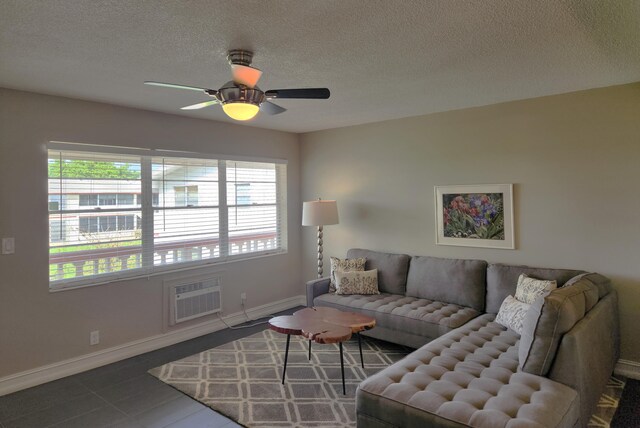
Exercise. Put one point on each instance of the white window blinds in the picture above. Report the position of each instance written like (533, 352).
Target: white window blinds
(252, 206)
(119, 215)
(186, 215)
(91, 231)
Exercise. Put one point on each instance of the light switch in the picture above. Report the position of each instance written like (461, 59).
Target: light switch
(8, 246)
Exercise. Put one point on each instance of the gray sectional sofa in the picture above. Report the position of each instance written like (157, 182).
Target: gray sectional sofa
(467, 369)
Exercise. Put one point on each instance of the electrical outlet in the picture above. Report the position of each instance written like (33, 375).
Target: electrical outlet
(94, 337)
(8, 246)
(243, 298)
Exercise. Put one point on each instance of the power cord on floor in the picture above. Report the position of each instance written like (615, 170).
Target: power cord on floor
(248, 320)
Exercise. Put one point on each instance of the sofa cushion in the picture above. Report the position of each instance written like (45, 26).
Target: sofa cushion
(395, 312)
(529, 289)
(392, 268)
(345, 265)
(448, 280)
(548, 319)
(365, 282)
(512, 313)
(502, 281)
(602, 282)
(468, 377)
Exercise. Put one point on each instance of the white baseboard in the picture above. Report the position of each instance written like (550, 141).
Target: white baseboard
(627, 368)
(40, 375)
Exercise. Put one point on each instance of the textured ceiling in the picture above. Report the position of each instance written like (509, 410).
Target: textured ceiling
(382, 59)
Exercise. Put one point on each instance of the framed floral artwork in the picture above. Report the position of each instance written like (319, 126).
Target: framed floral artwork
(475, 215)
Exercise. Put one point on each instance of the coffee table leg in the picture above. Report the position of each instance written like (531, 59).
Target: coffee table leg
(344, 390)
(360, 347)
(309, 350)
(286, 356)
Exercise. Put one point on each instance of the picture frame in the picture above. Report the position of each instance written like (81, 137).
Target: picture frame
(475, 215)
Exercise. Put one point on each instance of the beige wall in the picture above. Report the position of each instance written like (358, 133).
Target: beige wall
(574, 160)
(38, 327)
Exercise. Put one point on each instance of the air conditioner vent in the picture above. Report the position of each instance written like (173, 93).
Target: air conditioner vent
(195, 299)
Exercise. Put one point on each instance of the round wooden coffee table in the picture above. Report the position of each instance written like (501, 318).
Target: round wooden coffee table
(322, 325)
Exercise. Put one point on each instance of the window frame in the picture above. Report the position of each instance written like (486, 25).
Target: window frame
(146, 207)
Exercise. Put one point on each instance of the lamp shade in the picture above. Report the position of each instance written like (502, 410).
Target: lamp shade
(240, 110)
(319, 213)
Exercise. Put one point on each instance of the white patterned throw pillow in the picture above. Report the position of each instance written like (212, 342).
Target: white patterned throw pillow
(511, 313)
(357, 282)
(529, 289)
(345, 265)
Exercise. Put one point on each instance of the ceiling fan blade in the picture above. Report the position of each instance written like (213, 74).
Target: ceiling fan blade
(271, 108)
(245, 75)
(309, 93)
(200, 105)
(173, 85)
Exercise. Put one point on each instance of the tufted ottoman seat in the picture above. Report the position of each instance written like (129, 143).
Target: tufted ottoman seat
(400, 314)
(468, 377)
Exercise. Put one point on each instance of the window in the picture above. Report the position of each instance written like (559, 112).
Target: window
(186, 195)
(107, 199)
(155, 198)
(252, 202)
(94, 199)
(117, 215)
(54, 202)
(186, 219)
(104, 224)
(88, 200)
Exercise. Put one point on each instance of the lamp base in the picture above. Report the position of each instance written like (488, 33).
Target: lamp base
(319, 251)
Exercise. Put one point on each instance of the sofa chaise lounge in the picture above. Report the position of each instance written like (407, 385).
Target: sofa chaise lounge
(469, 370)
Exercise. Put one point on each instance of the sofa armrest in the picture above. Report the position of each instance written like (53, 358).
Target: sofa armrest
(315, 288)
(588, 353)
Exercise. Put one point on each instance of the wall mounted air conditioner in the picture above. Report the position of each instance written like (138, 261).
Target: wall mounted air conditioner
(194, 299)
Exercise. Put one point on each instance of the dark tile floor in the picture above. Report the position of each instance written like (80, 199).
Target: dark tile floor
(628, 413)
(120, 395)
(123, 394)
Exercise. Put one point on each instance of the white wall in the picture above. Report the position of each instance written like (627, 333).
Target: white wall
(574, 160)
(38, 327)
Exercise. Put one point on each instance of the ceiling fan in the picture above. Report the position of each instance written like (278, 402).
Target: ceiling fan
(240, 98)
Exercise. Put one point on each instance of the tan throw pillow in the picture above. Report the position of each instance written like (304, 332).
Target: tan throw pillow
(345, 265)
(529, 289)
(512, 313)
(357, 282)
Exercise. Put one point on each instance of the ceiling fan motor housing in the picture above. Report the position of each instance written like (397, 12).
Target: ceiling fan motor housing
(235, 93)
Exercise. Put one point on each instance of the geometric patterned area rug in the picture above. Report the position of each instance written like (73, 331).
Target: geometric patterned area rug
(242, 380)
(608, 404)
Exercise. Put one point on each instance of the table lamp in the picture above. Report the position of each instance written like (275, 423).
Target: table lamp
(319, 213)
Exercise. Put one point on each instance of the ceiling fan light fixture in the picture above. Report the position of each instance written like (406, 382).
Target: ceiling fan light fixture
(240, 110)
(240, 98)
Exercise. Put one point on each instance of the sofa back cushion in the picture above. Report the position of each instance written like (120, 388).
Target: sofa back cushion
(503, 279)
(548, 319)
(602, 282)
(448, 280)
(392, 268)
